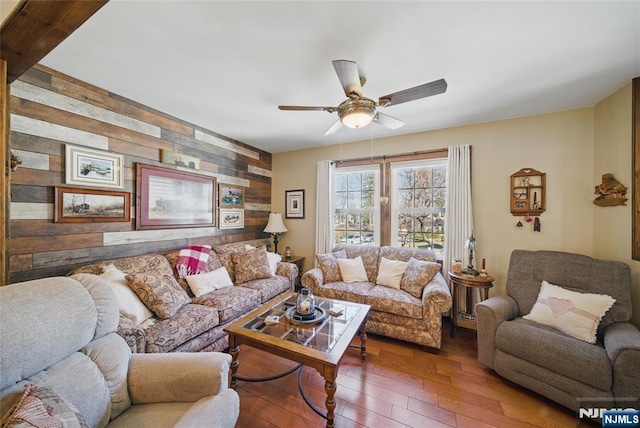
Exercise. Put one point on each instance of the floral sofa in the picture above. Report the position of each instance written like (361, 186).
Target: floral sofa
(181, 322)
(412, 313)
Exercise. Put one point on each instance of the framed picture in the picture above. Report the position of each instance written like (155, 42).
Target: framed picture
(231, 218)
(168, 198)
(294, 203)
(75, 205)
(90, 167)
(231, 196)
(179, 159)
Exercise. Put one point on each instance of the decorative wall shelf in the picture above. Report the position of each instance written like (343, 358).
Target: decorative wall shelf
(528, 192)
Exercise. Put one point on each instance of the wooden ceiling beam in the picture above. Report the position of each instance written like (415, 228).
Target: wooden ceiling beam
(35, 28)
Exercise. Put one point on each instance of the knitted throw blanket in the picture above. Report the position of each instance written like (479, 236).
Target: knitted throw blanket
(192, 260)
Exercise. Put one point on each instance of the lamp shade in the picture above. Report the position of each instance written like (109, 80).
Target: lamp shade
(275, 224)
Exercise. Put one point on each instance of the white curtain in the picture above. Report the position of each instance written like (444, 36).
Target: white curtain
(324, 207)
(459, 214)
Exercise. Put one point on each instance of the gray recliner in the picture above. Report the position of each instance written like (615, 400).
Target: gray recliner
(569, 371)
(59, 333)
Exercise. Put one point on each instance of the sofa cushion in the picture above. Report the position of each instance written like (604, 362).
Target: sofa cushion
(274, 259)
(404, 253)
(390, 272)
(328, 264)
(206, 282)
(129, 304)
(349, 291)
(369, 254)
(155, 263)
(418, 274)
(251, 264)
(41, 407)
(190, 321)
(352, 270)
(577, 314)
(230, 302)
(552, 349)
(390, 300)
(225, 252)
(268, 288)
(160, 293)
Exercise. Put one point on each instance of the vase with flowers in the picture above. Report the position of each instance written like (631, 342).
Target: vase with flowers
(15, 161)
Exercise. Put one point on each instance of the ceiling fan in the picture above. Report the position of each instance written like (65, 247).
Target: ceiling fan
(358, 111)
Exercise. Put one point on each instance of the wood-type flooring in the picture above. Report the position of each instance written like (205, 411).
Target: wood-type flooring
(398, 385)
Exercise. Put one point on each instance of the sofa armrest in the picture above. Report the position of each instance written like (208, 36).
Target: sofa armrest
(177, 377)
(490, 313)
(312, 279)
(437, 295)
(289, 271)
(622, 342)
(132, 334)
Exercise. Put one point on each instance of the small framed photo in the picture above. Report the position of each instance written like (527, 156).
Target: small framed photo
(231, 218)
(294, 200)
(231, 196)
(179, 159)
(90, 167)
(75, 205)
(169, 198)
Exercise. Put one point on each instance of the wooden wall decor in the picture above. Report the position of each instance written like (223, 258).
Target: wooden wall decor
(4, 174)
(635, 168)
(50, 110)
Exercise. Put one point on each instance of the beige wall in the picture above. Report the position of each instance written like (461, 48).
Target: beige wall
(559, 144)
(612, 154)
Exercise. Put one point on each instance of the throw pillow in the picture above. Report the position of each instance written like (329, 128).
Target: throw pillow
(274, 259)
(418, 274)
(161, 293)
(129, 303)
(352, 270)
(210, 281)
(390, 272)
(250, 265)
(329, 265)
(576, 314)
(42, 407)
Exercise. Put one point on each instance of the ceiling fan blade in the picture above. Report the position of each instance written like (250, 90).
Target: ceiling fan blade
(347, 72)
(388, 121)
(303, 108)
(334, 128)
(428, 89)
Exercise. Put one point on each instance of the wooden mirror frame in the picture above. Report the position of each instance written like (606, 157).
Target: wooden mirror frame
(635, 136)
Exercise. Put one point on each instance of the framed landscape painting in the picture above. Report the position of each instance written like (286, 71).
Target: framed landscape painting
(89, 167)
(169, 198)
(75, 205)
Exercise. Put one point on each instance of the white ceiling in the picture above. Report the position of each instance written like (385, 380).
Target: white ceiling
(226, 66)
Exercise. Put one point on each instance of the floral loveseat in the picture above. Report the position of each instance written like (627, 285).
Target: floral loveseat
(412, 312)
(174, 320)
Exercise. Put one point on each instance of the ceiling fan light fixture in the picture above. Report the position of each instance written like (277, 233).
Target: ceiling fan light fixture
(357, 113)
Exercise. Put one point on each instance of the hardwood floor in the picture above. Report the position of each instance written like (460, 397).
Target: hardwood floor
(399, 385)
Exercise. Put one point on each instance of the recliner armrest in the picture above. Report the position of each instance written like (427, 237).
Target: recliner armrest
(177, 377)
(622, 342)
(490, 313)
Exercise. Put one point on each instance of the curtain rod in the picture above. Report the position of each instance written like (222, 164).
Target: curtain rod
(386, 157)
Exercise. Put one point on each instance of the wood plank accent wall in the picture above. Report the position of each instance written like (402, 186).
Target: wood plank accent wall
(49, 110)
(4, 174)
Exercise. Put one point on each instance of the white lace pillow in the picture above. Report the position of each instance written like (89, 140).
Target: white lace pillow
(210, 281)
(576, 314)
(274, 259)
(352, 270)
(390, 272)
(129, 304)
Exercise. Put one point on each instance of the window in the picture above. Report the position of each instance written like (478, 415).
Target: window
(418, 195)
(356, 205)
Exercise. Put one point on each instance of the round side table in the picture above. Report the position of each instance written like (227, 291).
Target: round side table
(462, 285)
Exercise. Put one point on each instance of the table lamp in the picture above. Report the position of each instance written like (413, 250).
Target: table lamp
(276, 228)
(471, 246)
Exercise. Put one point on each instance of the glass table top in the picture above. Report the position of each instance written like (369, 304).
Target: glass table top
(332, 320)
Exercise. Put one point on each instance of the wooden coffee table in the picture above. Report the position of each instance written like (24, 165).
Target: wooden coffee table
(320, 345)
